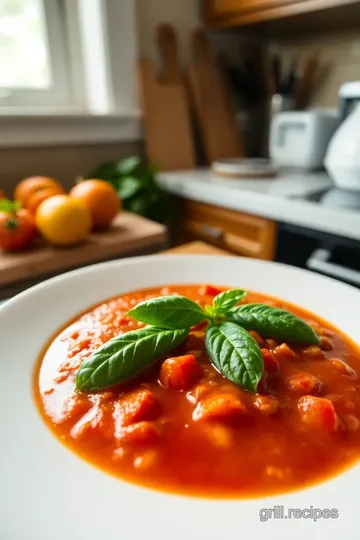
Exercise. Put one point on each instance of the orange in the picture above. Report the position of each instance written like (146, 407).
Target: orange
(2, 195)
(38, 197)
(63, 221)
(101, 199)
(28, 186)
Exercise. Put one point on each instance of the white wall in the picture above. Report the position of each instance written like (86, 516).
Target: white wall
(183, 14)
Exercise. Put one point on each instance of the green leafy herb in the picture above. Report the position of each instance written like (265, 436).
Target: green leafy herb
(127, 355)
(274, 322)
(9, 206)
(232, 350)
(226, 300)
(128, 187)
(235, 353)
(169, 312)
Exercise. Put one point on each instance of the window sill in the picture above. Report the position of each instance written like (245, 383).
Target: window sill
(67, 128)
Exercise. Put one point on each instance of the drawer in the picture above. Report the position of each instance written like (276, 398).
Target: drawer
(240, 233)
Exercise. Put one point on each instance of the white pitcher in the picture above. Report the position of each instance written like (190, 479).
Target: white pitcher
(342, 160)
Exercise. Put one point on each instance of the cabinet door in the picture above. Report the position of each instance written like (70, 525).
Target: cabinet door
(239, 233)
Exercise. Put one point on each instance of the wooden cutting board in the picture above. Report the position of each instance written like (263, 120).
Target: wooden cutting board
(164, 101)
(129, 234)
(212, 104)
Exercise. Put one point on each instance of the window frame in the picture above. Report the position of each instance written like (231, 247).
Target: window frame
(59, 93)
(76, 120)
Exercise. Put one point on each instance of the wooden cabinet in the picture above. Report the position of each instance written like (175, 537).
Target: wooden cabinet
(229, 8)
(239, 233)
(224, 13)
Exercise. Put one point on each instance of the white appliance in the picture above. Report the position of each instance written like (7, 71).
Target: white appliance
(299, 139)
(342, 160)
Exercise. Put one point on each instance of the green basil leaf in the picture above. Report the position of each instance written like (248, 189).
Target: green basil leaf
(128, 166)
(235, 353)
(127, 187)
(127, 355)
(169, 312)
(228, 299)
(274, 322)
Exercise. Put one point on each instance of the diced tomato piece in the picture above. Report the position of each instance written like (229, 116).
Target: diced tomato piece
(140, 433)
(219, 406)
(137, 406)
(267, 405)
(319, 413)
(313, 351)
(341, 404)
(261, 341)
(98, 422)
(219, 435)
(180, 372)
(200, 326)
(304, 384)
(326, 344)
(271, 343)
(342, 367)
(270, 363)
(209, 290)
(284, 351)
(74, 406)
(199, 391)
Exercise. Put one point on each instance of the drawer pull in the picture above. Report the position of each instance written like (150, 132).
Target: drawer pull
(213, 232)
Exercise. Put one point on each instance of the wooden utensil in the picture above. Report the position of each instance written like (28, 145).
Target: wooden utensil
(168, 130)
(212, 104)
(306, 82)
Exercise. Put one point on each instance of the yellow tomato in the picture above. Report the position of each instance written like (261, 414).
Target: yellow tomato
(63, 221)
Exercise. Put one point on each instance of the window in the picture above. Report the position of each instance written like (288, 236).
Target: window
(67, 72)
(75, 56)
(34, 68)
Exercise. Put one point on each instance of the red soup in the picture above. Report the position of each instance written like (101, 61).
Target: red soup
(181, 426)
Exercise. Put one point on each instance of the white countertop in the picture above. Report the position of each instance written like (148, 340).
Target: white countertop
(274, 198)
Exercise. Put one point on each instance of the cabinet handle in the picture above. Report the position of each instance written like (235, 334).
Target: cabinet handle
(213, 232)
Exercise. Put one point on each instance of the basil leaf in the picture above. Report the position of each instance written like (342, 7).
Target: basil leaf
(274, 322)
(169, 312)
(228, 299)
(235, 353)
(126, 355)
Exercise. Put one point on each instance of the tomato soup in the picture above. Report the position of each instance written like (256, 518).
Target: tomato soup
(180, 426)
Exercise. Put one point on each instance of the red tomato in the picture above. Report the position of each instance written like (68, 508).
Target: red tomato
(2, 195)
(17, 229)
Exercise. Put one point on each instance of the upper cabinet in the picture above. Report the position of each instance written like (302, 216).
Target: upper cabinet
(224, 13)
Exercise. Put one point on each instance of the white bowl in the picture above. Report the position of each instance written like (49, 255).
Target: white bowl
(48, 493)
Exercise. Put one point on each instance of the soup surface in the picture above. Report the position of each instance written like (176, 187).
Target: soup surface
(182, 427)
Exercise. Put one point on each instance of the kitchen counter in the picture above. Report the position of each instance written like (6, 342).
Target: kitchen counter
(282, 198)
